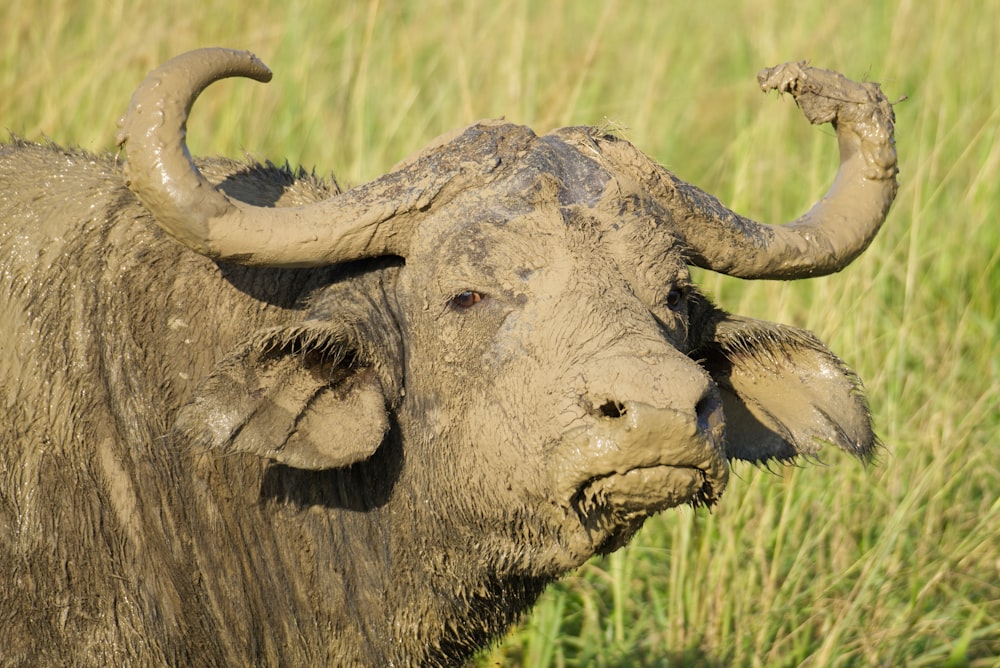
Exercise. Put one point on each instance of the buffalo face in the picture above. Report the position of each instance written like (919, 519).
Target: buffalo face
(562, 366)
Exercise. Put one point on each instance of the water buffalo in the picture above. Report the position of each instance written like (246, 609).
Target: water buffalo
(251, 420)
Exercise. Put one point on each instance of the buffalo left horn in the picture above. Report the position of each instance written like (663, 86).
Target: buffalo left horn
(827, 237)
(367, 221)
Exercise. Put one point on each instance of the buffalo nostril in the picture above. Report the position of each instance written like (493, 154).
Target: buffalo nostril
(613, 409)
(705, 411)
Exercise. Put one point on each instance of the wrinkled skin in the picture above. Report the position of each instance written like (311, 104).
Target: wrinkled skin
(378, 462)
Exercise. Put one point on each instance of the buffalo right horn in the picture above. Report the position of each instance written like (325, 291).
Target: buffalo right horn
(367, 221)
(827, 237)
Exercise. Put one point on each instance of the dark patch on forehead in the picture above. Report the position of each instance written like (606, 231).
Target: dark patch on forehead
(583, 179)
(552, 172)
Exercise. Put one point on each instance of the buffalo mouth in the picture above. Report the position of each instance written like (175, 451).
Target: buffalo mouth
(644, 490)
(612, 507)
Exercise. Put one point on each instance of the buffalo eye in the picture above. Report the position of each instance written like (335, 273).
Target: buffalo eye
(675, 299)
(466, 299)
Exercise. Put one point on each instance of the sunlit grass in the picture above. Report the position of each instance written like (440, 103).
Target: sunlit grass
(894, 564)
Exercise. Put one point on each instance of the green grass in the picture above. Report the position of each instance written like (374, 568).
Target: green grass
(837, 565)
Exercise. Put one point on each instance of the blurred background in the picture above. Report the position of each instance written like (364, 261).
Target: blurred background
(894, 563)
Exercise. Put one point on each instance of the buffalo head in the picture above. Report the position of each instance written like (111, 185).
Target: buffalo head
(527, 326)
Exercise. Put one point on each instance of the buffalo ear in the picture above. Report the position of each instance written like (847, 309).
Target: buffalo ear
(300, 398)
(784, 392)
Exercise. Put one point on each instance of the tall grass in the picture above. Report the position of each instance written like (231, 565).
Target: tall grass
(894, 564)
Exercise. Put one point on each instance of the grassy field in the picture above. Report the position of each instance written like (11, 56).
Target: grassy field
(836, 565)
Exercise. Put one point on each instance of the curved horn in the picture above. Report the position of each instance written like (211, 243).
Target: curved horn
(834, 231)
(160, 171)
